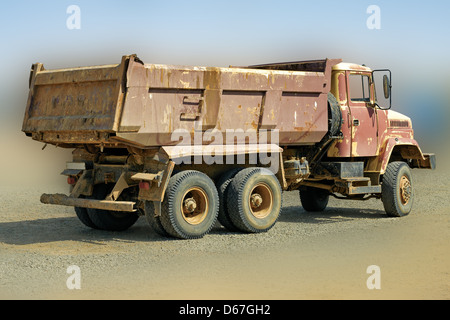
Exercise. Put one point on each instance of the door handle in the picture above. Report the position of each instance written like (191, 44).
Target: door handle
(355, 122)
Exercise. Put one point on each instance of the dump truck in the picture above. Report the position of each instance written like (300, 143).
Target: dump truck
(187, 146)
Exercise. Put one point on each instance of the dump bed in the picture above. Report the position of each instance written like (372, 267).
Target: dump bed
(74, 106)
(149, 105)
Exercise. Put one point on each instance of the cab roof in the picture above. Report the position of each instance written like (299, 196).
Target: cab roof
(346, 66)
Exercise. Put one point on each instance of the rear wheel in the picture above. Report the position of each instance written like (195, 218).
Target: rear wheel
(222, 188)
(190, 206)
(396, 189)
(254, 200)
(83, 216)
(153, 220)
(109, 220)
(313, 199)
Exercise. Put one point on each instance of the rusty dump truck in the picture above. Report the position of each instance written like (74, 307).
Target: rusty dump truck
(187, 146)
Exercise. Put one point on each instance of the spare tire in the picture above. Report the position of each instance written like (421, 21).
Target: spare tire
(334, 116)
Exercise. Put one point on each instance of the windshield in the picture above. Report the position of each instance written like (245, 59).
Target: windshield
(359, 88)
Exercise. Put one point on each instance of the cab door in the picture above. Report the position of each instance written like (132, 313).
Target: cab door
(362, 115)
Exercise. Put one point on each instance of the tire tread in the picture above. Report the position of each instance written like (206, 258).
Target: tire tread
(389, 189)
(235, 200)
(168, 218)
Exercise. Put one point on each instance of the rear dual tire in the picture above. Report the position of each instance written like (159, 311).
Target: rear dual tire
(83, 216)
(223, 187)
(254, 200)
(247, 200)
(154, 220)
(104, 219)
(189, 209)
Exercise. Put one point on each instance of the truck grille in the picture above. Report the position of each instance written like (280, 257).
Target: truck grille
(399, 123)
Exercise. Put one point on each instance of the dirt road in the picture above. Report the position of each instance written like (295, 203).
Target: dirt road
(305, 256)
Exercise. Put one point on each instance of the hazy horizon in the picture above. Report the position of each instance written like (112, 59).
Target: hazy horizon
(412, 42)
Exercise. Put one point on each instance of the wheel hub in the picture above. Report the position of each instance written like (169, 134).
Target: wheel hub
(190, 205)
(261, 200)
(194, 206)
(405, 189)
(256, 200)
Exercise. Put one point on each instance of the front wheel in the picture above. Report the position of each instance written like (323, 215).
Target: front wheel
(313, 199)
(397, 190)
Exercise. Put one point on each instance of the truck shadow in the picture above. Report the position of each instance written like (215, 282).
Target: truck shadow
(48, 230)
(71, 229)
(296, 214)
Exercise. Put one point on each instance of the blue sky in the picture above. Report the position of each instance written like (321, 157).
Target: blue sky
(216, 32)
(413, 41)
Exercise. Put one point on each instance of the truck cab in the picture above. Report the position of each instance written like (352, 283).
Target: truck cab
(376, 149)
(371, 130)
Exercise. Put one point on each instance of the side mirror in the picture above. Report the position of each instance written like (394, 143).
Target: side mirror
(382, 79)
(386, 87)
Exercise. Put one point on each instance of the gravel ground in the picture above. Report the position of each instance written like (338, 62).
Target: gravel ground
(305, 256)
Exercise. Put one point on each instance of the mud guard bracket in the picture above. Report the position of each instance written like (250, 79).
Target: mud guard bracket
(158, 184)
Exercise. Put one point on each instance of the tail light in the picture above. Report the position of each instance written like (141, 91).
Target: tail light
(144, 185)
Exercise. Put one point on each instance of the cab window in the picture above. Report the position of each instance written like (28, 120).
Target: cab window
(359, 88)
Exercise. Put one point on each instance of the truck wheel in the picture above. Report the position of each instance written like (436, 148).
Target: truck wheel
(109, 220)
(222, 188)
(190, 206)
(396, 189)
(154, 221)
(254, 200)
(83, 216)
(313, 199)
